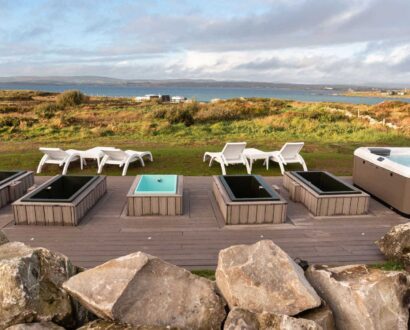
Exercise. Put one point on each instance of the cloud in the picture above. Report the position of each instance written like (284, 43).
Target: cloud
(312, 41)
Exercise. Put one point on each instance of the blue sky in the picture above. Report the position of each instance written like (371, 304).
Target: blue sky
(300, 41)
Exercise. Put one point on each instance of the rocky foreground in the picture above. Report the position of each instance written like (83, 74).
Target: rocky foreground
(257, 287)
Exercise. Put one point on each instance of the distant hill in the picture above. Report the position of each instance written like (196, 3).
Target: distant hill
(96, 80)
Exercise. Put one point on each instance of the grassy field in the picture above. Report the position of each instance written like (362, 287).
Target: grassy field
(178, 135)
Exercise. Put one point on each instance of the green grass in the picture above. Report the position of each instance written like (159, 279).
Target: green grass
(389, 266)
(178, 135)
(176, 159)
(207, 273)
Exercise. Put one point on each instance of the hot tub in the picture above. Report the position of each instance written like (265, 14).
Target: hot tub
(248, 199)
(61, 200)
(323, 194)
(156, 194)
(385, 174)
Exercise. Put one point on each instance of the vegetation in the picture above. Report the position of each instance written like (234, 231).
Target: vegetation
(389, 265)
(207, 273)
(178, 134)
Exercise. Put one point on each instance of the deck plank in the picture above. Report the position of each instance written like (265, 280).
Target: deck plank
(194, 239)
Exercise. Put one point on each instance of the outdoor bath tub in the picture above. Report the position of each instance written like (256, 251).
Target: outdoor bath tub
(248, 199)
(13, 185)
(62, 200)
(156, 194)
(323, 194)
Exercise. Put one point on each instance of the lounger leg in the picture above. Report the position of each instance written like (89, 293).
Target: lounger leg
(125, 169)
(211, 160)
(67, 163)
(142, 161)
(150, 157)
(102, 163)
(40, 165)
(248, 168)
(282, 168)
(267, 163)
(304, 165)
(81, 163)
(223, 168)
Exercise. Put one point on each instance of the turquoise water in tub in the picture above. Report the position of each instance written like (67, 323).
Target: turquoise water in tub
(157, 184)
(401, 159)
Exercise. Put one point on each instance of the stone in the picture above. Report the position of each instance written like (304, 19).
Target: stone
(31, 286)
(36, 326)
(362, 297)
(240, 319)
(3, 238)
(263, 278)
(322, 315)
(139, 289)
(395, 245)
(108, 325)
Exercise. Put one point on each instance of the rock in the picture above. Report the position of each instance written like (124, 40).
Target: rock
(240, 319)
(395, 245)
(261, 277)
(36, 326)
(107, 325)
(140, 289)
(3, 238)
(363, 298)
(30, 286)
(322, 315)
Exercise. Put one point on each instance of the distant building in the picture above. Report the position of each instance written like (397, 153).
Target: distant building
(163, 98)
(178, 99)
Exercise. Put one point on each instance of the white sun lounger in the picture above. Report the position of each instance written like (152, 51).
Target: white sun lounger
(122, 158)
(231, 154)
(288, 154)
(95, 153)
(59, 157)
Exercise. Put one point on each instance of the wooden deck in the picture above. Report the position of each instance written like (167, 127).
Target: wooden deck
(194, 239)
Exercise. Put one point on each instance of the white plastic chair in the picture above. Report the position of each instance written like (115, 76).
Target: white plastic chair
(59, 157)
(289, 154)
(231, 154)
(122, 158)
(95, 153)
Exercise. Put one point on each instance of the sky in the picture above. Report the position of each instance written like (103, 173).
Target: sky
(293, 41)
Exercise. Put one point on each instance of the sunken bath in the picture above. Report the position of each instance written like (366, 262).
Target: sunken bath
(62, 200)
(248, 199)
(324, 194)
(13, 185)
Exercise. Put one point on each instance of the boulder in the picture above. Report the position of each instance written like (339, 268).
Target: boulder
(263, 278)
(362, 297)
(107, 325)
(30, 286)
(3, 238)
(36, 326)
(140, 289)
(395, 245)
(322, 315)
(239, 319)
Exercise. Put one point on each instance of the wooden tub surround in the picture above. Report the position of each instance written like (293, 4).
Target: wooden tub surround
(248, 212)
(151, 204)
(325, 205)
(67, 212)
(16, 187)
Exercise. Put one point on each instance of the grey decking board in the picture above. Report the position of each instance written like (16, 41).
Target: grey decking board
(193, 241)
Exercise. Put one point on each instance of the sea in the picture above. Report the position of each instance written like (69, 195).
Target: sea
(204, 94)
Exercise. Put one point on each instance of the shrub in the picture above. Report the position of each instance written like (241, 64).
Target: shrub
(46, 110)
(6, 108)
(180, 115)
(71, 98)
